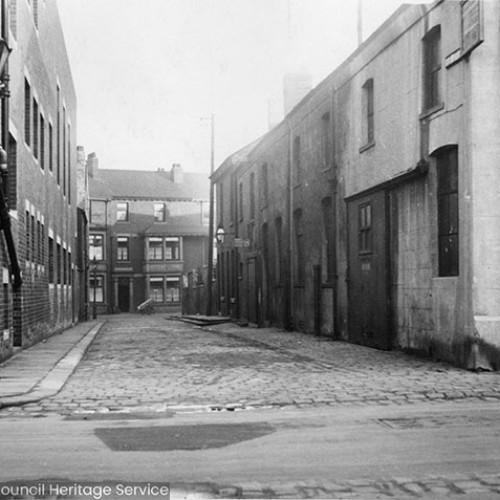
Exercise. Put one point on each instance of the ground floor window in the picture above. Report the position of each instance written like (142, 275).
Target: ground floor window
(165, 288)
(173, 289)
(156, 289)
(96, 289)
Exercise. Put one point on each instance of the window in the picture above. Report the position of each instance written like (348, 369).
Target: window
(51, 148)
(42, 142)
(447, 198)
(326, 140)
(28, 236)
(297, 167)
(279, 249)
(160, 212)
(173, 289)
(156, 289)
(299, 247)
(58, 136)
(27, 112)
(232, 200)
(252, 196)
(432, 68)
(240, 195)
(172, 249)
(155, 248)
(65, 267)
(96, 288)
(327, 209)
(264, 185)
(220, 201)
(97, 212)
(122, 248)
(64, 164)
(368, 113)
(122, 211)
(58, 263)
(35, 128)
(96, 247)
(51, 260)
(365, 228)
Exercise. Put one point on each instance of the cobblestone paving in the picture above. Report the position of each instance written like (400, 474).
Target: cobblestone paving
(153, 363)
(460, 486)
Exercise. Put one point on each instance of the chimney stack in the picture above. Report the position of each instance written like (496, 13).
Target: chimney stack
(176, 174)
(92, 164)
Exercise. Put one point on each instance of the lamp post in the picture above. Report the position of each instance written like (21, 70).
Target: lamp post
(94, 276)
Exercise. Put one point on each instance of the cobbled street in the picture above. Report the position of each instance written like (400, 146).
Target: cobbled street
(322, 419)
(153, 364)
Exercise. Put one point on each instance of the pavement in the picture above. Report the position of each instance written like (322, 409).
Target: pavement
(40, 371)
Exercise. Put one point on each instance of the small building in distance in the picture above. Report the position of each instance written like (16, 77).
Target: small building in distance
(148, 229)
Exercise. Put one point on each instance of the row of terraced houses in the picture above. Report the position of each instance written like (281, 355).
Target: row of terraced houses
(371, 213)
(51, 277)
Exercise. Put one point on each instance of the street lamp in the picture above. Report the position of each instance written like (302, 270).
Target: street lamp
(94, 275)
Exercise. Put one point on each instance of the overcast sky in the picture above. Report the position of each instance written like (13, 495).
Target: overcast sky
(147, 73)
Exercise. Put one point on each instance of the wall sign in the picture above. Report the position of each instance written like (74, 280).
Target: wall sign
(471, 25)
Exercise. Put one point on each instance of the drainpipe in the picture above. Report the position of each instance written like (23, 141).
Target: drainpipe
(5, 222)
(288, 323)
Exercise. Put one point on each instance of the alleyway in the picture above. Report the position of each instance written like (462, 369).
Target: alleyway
(152, 364)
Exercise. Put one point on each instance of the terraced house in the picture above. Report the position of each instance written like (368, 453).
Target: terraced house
(147, 230)
(39, 136)
(371, 213)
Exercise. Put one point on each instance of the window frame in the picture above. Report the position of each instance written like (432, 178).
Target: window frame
(432, 69)
(365, 228)
(160, 208)
(124, 211)
(94, 254)
(122, 251)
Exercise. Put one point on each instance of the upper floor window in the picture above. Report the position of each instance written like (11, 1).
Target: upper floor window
(252, 196)
(432, 68)
(447, 197)
(368, 121)
(96, 247)
(296, 159)
(172, 248)
(240, 201)
(27, 112)
(326, 140)
(122, 211)
(160, 212)
(155, 248)
(264, 184)
(122, 245)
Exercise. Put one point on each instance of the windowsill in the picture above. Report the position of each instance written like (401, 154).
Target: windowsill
(428, 112)
(367, 146)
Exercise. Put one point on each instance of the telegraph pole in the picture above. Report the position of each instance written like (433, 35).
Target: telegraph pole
(211, 221)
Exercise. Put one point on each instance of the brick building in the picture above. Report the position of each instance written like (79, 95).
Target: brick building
(147, 230)
(41, 182)
(371, 212)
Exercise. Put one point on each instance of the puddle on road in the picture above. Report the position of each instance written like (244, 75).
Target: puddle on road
(181, 437)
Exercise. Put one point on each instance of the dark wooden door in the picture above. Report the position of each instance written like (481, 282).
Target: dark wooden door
(124, 295)
(368, 271)
(252, 291)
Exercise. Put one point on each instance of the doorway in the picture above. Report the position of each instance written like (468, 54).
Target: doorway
(123, 295)
(368, 271)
